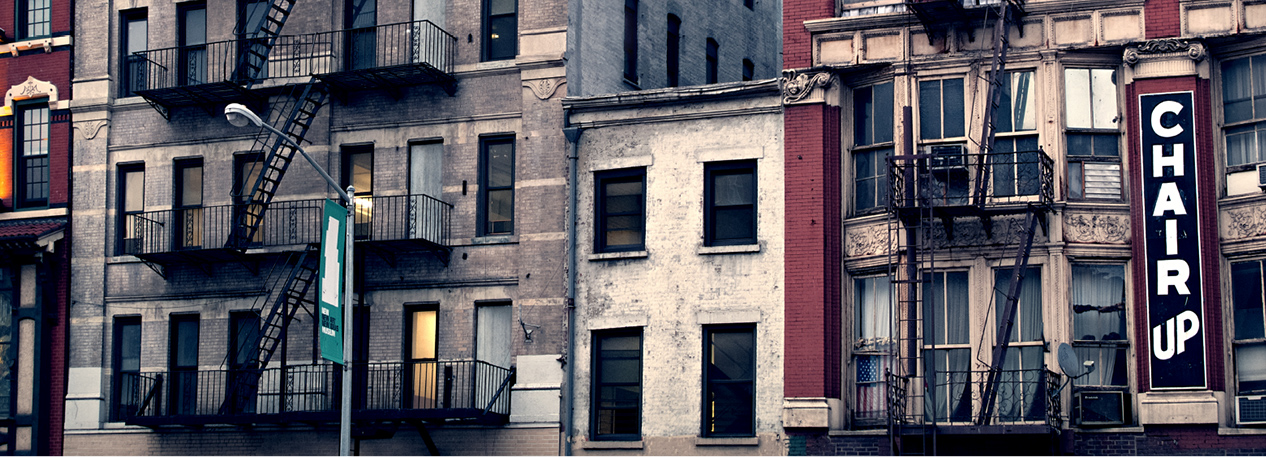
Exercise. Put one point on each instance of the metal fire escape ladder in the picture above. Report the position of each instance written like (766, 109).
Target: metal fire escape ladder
(993, 94)
(1003, 338)
(281, 151)
(253, 55)
(293, 296)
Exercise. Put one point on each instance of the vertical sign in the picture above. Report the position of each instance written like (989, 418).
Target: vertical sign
(1171, 242)
(330, 282)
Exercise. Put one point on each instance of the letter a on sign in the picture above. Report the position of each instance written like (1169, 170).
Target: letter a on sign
(330, 284)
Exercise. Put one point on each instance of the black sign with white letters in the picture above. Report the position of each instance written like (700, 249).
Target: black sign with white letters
(1175, 317)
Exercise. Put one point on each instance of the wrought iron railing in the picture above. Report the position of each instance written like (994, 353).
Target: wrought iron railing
(402, 217)
(951, 179)
(405, 43)
(464, 388)
(955, 398)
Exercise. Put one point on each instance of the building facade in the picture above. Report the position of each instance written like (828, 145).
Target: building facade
(679, 254)
(196, 330)
(1077, 174)
(35, 160)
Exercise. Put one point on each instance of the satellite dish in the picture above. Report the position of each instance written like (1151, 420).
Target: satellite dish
(1069, 362)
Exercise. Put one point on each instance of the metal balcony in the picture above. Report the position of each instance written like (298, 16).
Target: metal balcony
(470, 390)
(403, 222)
(1027, 402)
(385, 56)
(943, 184)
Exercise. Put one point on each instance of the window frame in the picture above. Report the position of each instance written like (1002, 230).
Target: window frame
(25, 24)
(193, 56)
(487, 19)
(117, 369)
(123, 172)
(1122, 344)
(1237, 326)
(879, 146)
(600, 215)
(23, 163)
(941, 110)
(596, 360)
(1255, 124)
(132, 66)
(706, 419)
(861, 348)
(712, 170)
(631, 8)
(712, 51)
(182, 377)
(1077, 162)
(184, 228)
(485, 226)
(672, 59)
(749, 69)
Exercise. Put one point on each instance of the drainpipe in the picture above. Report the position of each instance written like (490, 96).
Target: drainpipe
(573, 138)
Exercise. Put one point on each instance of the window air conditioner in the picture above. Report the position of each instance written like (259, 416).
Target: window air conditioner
(1100, 408)
(1250, 409)
(1261, 176)
(947, 158)
(131, 246)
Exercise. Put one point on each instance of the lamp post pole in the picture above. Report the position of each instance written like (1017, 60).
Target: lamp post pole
(240, 116)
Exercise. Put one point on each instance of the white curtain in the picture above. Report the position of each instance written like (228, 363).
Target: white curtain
(1098, 300)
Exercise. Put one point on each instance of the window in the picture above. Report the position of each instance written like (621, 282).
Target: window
(1020, 384)
(749, 3)
(188, 208)
(193, 43)
(730, 203)
(1250, 336)
(1015, 159)
(244, 339)
(358, 171)
(630, 40)
(1099, 333)
(872, 140)
(131, 198)
(34, 18)
(183, 364)
(252, 41)
(1244, 110)
(729, 381)
(127, 368)
(673, 59)
(620, 210)
(9, 283)
(617, 386)
(946, 347)
(711, 74)
(246, 170)
(1094, 157)
(749, 69)
(872, 349)
(32, 166)
(496, 182)
(501, 29)
(135, 39)
(362, 39)
(941, 109)
(420, 352)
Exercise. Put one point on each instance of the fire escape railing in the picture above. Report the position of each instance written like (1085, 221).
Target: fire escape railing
(1021, 177)
(443, 388)
(287, 223)
(950, 398)
(405, 43)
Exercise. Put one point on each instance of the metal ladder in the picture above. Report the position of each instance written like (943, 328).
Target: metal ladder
(253, 57)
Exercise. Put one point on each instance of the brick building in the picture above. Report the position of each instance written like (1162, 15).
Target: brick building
(679, 257)
(1065, 173)
(35, 158)
(195, 323)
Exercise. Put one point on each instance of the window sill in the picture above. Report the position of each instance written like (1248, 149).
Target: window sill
(735, 249)
(598, 445)
(631, 84)
(618, 255)
(494, 239)
(1125, 429)
(1241, 430)
(736, 441)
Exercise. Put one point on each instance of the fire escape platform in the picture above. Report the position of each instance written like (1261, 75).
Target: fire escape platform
(474, 415)
(197, 94)
(389, 77)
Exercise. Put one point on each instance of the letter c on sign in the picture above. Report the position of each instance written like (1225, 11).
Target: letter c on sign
(1167, 106)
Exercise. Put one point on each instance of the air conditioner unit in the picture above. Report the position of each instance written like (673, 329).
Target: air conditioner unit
(947, 158)
(1100, 408)
(1250, 409)
(1261, 176)
(131, 246)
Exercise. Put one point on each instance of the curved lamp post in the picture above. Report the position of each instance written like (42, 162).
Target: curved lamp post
(241, 116)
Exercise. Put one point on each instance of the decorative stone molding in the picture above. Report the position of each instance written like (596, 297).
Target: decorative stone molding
(1244, 223)
(1165, 47)
(969, 232)
(866, 241)
(1096, 229)
(544, 88)
(88, 130)
(32, 89)
(801, 88)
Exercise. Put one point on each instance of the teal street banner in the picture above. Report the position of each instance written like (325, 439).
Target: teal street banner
(330, 284)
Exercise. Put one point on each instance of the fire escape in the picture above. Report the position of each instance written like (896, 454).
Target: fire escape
(929, 191)
(297, 74)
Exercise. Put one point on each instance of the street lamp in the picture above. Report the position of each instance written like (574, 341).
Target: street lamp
(241, 116)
